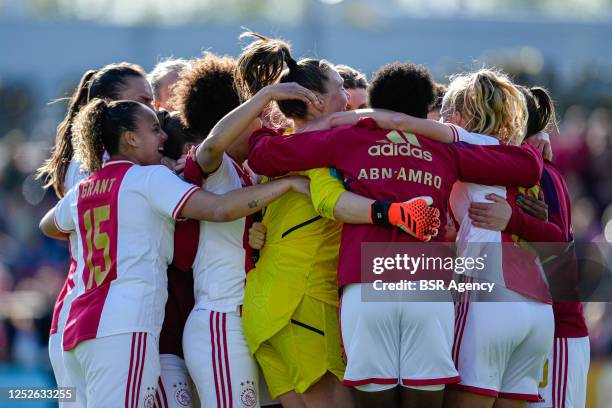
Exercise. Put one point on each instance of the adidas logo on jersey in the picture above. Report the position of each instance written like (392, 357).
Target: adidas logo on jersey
(400, 144)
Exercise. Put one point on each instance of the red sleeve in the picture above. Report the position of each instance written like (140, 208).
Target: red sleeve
(556, 195)
(192, 172)
(498, 165)
(273, 154)
(532, 229)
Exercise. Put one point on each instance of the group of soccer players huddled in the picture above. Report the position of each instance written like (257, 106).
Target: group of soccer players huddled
(215, 211)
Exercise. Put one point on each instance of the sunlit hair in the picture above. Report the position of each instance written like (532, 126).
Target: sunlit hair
(439, 91)
(54, 169)
(112, 79)
(353, 79)
(99, 126)
(540, 109)
(263, 63)
(489, 103)
(205, 93)
(108, 83)
(162, 70)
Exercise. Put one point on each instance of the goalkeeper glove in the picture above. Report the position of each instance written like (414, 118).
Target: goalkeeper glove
(415, 217)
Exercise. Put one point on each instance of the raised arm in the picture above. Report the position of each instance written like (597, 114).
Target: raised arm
(210, 152)
(203, 205)
(388, 120)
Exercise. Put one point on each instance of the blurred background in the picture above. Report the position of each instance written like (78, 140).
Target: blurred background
(46, 45)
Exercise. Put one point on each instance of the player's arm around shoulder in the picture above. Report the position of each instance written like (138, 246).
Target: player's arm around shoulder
(49, 227)
(325, 190)
(57, 222)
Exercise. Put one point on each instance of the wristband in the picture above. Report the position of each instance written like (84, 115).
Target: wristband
(379, 212)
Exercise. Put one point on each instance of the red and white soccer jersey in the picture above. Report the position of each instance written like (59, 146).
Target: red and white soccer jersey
(216, 352)
(223, 255)
(497, 356)
(124, 219)
(503, 268)
(124, 216)
(565, 375)
(176, 389)
(74, 175)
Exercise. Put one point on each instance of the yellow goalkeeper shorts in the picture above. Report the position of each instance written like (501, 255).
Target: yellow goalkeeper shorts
(298, 355)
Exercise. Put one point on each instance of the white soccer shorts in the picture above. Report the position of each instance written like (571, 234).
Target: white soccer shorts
(500, 347)
(565, 379)
(57, 362)
(175, 388)
(219, 361)
(115, 371)
(401, 342)
(56, 356)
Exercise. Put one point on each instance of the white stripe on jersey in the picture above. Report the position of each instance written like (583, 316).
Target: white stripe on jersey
(462, 196)
(219, 266)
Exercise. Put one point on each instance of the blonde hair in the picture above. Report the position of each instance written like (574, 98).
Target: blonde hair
(162, 70)
(489, 103)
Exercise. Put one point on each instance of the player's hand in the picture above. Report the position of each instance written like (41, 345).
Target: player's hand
(299, 184)
(192, 152)
(385, 119)
(533, 206)
(416, 217)
(168, 162)
(180, 164)
(257, 235)
(450, 229)
(541, 142)
(492, 216)
(292, 91)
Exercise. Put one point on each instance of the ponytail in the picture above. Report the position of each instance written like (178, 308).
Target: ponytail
(540, 109)
(98, 128)
(263, 63)
(54, 169)
(89, 134)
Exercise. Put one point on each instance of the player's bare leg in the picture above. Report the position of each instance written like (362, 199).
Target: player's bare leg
(292, 399)
(462, 399)
(328, 392)
(387, 398)
(509, 403)
(411, 398)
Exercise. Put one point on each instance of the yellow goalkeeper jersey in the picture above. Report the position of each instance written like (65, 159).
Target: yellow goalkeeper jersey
(299, 258)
